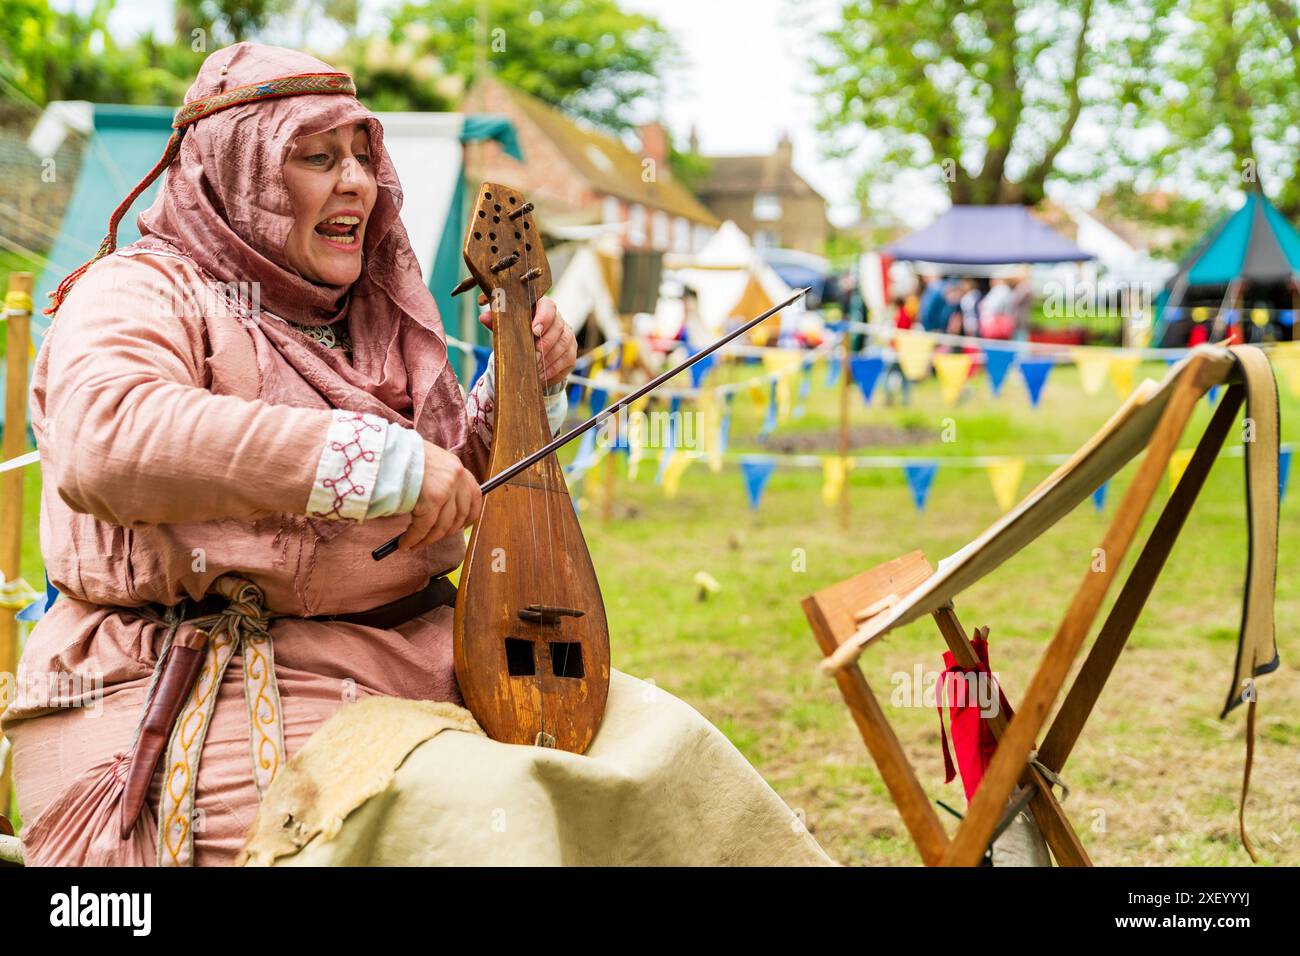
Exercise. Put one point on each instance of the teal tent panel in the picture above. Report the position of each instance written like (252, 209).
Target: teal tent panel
(446, 273)
(1288, 239)
(126, 143)
(490, 126)
(1221, 261)
(447, 261)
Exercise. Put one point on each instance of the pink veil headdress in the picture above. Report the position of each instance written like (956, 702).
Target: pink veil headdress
(224, 205)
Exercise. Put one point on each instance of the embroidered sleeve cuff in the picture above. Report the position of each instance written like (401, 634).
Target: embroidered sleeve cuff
(481, 403)
(348, 467)
(401, 473)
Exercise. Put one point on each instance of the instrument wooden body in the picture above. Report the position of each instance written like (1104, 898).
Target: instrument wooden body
(531, 639)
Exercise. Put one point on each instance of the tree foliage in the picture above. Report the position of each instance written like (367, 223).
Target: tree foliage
(988, 96)
(588, 57)
(1222, 100)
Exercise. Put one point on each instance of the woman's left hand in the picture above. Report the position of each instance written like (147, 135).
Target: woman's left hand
(557, 349)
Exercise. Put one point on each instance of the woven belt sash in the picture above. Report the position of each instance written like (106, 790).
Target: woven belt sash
(230, 620)
(239, 628)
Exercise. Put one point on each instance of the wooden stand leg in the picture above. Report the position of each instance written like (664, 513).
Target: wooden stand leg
(908, 795)
(1057, 830)
(1006, 768)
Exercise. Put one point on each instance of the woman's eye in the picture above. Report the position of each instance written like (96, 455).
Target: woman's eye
(363, 159)
(317, 158)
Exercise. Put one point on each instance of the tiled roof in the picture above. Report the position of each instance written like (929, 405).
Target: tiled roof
(607, 165)
(754, 174)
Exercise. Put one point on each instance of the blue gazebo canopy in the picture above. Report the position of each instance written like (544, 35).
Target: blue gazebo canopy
(987, 236)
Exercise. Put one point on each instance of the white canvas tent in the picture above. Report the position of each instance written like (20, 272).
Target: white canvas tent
(583, 294)
(730, 278)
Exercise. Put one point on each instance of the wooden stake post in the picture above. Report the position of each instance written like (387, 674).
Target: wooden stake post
(837, 612)
(18, 344)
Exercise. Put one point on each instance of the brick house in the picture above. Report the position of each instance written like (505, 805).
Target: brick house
(577, 176)
(768, 200)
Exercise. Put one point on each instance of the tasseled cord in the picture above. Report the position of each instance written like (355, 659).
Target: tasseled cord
(110, 241)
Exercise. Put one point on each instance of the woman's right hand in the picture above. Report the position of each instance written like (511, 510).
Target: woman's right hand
(449, 500)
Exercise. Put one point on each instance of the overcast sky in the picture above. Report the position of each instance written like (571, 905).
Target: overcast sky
(744, 82)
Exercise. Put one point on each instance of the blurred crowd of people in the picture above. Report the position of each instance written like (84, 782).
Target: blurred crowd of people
(996, 308)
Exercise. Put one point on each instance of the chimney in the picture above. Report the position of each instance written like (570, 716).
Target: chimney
(654, 143)
(785, 151)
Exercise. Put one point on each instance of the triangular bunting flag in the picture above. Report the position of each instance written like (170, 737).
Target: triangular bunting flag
(1283, 472)
(769, 421)
(998, 361)
(482, 355)
(757, 471)
(1286, 359)
(833, 472)
(832, 370)
(914, 349)
(866, 370)
(1178, 463)
(701, 369)
(805, 389)
(1093, 366)
(1123, 368)
(724, 429)
(710, 422)
(952, 370)
(1034, 371)
(1099, 496)
(920, 476)
(1005, 476)
(678, 462)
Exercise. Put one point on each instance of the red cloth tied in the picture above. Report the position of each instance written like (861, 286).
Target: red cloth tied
(972, 737)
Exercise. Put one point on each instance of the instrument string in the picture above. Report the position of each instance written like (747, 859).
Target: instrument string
(545, 471)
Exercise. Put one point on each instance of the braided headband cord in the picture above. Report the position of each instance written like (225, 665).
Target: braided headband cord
(293, 85)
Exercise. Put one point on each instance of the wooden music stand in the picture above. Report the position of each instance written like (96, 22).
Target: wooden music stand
(847, 616)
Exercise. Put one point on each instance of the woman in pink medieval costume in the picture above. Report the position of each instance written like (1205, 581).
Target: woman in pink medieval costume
(231, 414)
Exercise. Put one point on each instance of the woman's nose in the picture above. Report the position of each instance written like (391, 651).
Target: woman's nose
(351, 176)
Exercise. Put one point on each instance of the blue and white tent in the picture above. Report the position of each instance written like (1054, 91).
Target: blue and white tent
(126, 141)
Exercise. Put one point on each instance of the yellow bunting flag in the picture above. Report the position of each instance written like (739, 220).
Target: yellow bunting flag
(629, 353)
(914, 349)
(782, 362)
(636, 426)
(833, 472)
(673, 471)
(1200, 313)
(1286, 359)
(1123, 369)
(711, 429)
(1093, 366)
(1178, 463)
(758, 395)
(783, 398)
(1005, 475)
(952, 370)
(1259, 317)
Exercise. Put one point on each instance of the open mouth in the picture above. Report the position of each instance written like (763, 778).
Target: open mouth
(339, 230)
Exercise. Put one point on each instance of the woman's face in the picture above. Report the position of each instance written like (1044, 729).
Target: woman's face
(332, 189)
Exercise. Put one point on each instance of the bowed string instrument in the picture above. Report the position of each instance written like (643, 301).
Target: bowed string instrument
(530, 637)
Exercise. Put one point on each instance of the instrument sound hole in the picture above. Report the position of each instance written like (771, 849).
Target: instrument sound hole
(566, 659)
(519, 657)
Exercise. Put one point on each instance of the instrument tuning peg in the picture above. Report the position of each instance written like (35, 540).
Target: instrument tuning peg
(464, 285)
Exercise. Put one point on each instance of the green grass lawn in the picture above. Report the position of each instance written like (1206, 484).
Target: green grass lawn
(1155, 777)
